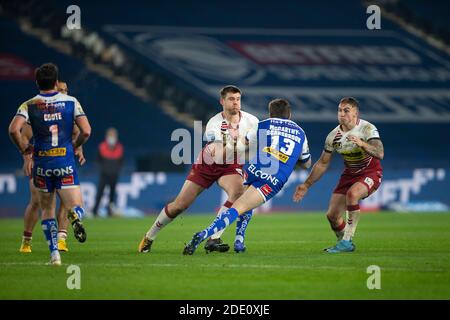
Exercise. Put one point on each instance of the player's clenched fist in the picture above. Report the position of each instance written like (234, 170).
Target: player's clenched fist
(300, 192)
(355, 140)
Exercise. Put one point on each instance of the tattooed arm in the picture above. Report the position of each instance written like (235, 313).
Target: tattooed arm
(373, 147)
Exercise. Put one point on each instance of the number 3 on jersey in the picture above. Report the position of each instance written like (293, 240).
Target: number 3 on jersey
(54, 131)
(288, 147)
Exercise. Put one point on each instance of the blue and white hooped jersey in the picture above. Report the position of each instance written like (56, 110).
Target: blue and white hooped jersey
(51, 117)
(280, 144)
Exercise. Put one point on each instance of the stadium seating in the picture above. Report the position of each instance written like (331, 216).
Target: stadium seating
(144, 128)
(176, 53)
(421, 148)
(430, 17)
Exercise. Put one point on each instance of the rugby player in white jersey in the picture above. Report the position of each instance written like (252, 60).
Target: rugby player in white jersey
(220, 161)
(358, 141)
(31, 215)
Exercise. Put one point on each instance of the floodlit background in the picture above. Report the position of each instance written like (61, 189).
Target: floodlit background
(148, 68)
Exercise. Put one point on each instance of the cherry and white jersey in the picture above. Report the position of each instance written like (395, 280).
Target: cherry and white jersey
(232, 136)
(355, 158)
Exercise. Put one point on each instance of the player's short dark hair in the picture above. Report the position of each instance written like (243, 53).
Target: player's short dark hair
(46, 76)
(279, 108)
(229, 89)
(351, 101)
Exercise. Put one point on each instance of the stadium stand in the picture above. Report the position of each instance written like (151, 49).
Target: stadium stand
(293, 15)
(142, 124)
(429, 16)
(176, 60)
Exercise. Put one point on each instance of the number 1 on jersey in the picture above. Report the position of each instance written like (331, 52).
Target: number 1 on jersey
(54, 131)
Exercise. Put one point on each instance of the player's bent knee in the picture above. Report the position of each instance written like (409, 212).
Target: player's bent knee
(233, 197)
(352, 196)
(333, 216)
(235, 194)
(34, 205)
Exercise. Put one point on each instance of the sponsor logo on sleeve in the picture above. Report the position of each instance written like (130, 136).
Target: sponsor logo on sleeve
(266, 189)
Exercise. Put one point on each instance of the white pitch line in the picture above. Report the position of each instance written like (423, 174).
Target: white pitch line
(223, 266)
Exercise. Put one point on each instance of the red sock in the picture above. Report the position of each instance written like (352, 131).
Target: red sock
(228, 204)
(340, 227)
(335, 228)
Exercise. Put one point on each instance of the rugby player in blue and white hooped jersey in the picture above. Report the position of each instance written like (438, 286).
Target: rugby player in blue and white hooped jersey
(31, 215)
(280, 145)
(52, 115)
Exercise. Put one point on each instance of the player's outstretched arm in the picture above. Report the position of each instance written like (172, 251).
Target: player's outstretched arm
(85, 131)
(316, 173)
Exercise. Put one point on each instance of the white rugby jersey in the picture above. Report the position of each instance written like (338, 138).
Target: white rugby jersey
(355, 158)
(231, 135)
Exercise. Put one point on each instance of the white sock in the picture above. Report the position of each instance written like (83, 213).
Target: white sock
(217, 235)
(62, 234)
(350, 226)
(161, 221)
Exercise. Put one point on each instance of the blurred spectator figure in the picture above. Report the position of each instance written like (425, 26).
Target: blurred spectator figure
(110, 160)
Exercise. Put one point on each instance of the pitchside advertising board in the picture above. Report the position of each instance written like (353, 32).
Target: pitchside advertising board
(142, 193)
(396, 76)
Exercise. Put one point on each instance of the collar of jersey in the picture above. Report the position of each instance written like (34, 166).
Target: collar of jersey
(279, 119)
(49, 94)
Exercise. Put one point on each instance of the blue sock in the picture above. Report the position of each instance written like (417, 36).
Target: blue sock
(241, 225)
(79, 211)
(50, 229)
(220, 222)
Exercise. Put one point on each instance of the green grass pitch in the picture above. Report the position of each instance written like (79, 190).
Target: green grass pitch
(284, 261)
